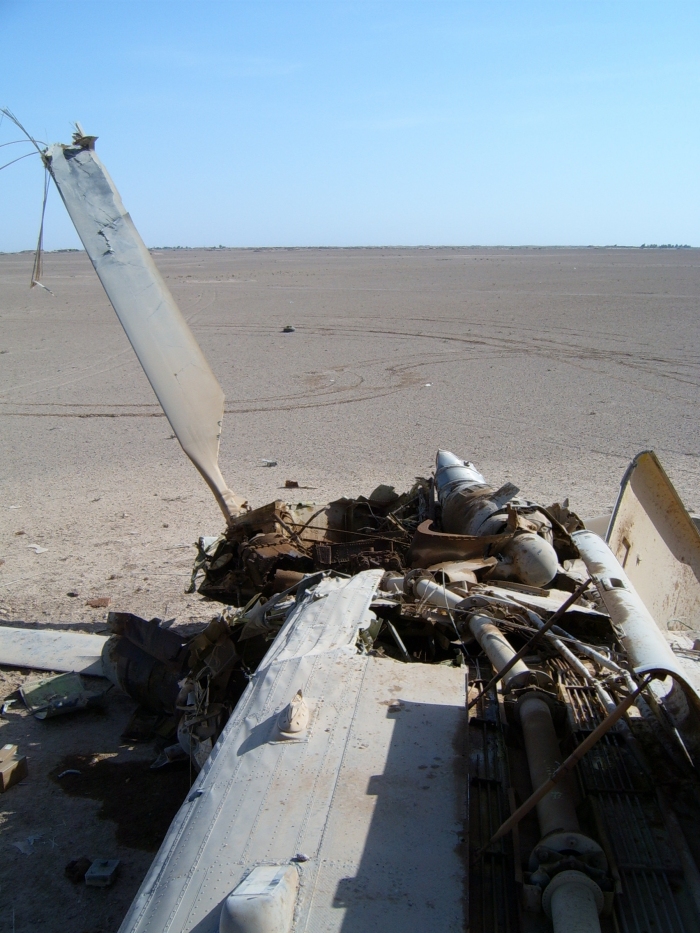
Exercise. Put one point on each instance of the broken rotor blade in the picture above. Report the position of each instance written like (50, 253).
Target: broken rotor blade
(187, 389)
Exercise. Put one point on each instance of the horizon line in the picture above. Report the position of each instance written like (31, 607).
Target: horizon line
(532, 246)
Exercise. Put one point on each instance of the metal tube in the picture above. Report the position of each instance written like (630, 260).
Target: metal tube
(555, 811)
(437, 595)
(499, 651)
(427, 591)
(596, 656)
(573, 901)
(399, 644)
(500, 674)
(578, 666)
(566, 767)
(646, 647)
(582, 647)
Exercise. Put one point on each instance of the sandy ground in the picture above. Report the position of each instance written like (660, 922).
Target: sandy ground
(549, 368)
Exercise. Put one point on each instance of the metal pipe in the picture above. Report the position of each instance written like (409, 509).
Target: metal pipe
(499, 651)
(481, 599)
(573, 901)
(500, 674)
(642, 639)
(567, 766)
(427, 591)
(397, 639)
(567, 654)
(596, 656)
(437, 595)
(555, 811)
(578, 666)
(581, 646)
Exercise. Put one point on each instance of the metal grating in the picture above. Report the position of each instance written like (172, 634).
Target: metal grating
(492, 895)
(652, 895)
(647, 904)
(584, 706)
(604, 770)
(648, 868)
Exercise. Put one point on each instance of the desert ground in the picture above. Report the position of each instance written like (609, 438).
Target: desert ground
(550, 368)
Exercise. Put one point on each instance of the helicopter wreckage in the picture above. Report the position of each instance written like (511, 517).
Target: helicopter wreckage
(446, 709)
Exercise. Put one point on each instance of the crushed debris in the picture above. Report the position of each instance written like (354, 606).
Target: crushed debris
(497, 531)
(453, 549)
(59, 695)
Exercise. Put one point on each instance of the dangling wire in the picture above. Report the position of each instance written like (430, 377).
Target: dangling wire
(14, 142)
(38, 255)
(19, 159)
(4, 112)
(36, 270)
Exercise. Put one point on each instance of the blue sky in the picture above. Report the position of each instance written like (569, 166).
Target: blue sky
(363, 123)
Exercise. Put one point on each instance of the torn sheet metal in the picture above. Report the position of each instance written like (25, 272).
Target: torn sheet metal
(431, 546)
(546, 601)
(177, 369)
(44, 649)
(143, 677)
(60, 695)
(160, 643)
(658, 545)
(461, 571)
(340, 801)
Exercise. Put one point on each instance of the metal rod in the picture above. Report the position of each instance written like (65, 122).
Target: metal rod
(588, 650)
(575, 596)
(565, 767)
(399, 644)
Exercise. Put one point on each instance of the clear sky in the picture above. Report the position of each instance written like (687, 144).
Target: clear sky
(292, 123)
